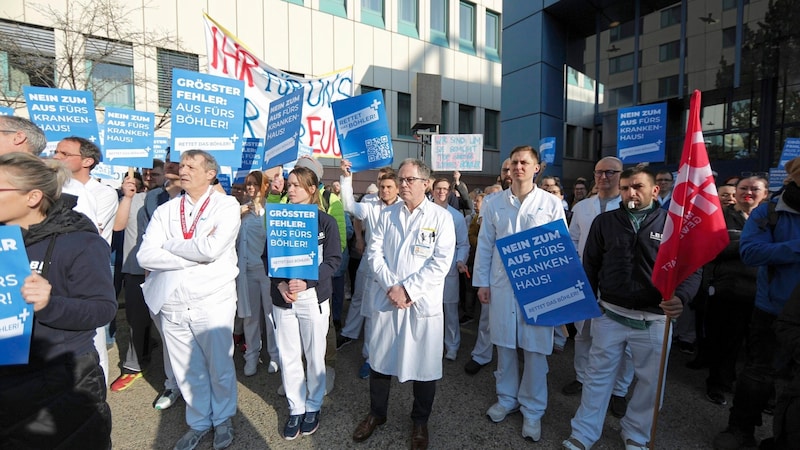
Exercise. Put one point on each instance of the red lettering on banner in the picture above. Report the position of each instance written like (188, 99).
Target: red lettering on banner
(242, 60)
(326, 143)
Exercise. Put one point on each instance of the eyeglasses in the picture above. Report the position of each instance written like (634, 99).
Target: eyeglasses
(64, 154)
(8, 131)
(9, 189)
(607, 173)
(409, 180)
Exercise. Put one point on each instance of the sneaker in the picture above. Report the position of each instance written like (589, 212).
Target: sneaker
(451, 355)
(124, 381)
(498, 414)
(572, 444)
(190, 440)
(532, 429)
(167, 399)
(733, 438)
(633, 445)
(273, 367)
(223, 435)
(341, 341)
(363, 372)
(618, 406)
(250, 367)
(292, 428)
(715, 396)
(310, 423)
(574, 387)
(472, 367)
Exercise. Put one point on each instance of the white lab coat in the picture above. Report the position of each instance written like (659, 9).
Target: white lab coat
(414, 250)
(583, 215)
(461, 254)
(503, 216)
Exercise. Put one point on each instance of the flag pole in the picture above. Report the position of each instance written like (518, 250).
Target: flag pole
(659, 389)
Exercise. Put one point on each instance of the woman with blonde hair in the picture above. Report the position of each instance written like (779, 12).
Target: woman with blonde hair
(57, 399)
(301, 310)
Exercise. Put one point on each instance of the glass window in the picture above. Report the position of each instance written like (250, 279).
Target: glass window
(671, 16)
(466, 27)
(110, 65)
(445, 125)
(168, 60)
(335, 7)
(729, 37)
(372, 13)
(404, 114)
(491, 128)
(569, 148)
(27, 57)
(731, 4)
(439, 28)
(586, 144)
(492, 35)
(620, 63)
(668, 86)
(669, 51)
(621, 96)
(466, 119)
(407, 11)
(624, 31)
(298, 2)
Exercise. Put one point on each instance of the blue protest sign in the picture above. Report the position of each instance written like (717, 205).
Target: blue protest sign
(252, 154)
(207, 114)
(363, 131)
(283, 129)
(791, 150)
(127, 137)
(462, 152)
(6, 111)
(547, 276)
(160, 146)
(292, 241)
(776, 177)
(110, 175)
(16, 316)
(641, 133)
(61, 113)
(547, 150)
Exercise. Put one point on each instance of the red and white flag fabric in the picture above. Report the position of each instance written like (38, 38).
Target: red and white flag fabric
(695, 231)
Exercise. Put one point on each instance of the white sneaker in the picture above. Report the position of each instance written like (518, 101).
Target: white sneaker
(273, 367)
(532, 429)
(632, 445)
(167, 399)
(498, 414)
(250, 367)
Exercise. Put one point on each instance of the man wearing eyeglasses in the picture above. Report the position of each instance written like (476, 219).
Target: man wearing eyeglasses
(606, 178)
(410, 252)
(665, 182)
(18, 134)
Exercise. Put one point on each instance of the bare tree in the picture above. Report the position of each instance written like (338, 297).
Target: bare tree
(97, 43)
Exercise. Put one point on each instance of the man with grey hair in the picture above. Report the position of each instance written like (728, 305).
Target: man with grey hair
(190, 250)
(18, 134)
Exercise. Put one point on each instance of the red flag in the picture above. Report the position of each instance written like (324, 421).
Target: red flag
(695, 230)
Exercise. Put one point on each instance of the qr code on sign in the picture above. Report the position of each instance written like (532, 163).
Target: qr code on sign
(378, 148)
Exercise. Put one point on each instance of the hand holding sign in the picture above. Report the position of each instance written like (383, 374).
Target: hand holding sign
(36, 291)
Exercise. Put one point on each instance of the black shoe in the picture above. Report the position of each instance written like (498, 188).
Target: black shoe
(715, 396)
(698, 363)
(686, 348)
(472, 367)
(574, 387)
(618, 406)
(341, 341)
(733, 438)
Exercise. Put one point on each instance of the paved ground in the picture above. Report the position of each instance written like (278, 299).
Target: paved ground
(687, 420)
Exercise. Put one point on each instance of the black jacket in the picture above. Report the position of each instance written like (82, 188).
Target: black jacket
(619, 261)
(727, 273)
(328, 231)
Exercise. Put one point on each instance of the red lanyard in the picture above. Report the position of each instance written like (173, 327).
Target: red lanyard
(190, 233)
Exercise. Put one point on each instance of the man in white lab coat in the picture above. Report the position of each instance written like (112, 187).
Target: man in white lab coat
(519, 208)
(410, 253)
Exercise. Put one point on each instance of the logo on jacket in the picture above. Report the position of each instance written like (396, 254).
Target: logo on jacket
(655, 236)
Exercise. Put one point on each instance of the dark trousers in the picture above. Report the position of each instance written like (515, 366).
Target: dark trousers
(756, 383)
(139, 320)
(726, 324)
(424, 392)
(337, 298)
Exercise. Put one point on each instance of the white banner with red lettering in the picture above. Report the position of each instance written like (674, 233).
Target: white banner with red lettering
(695, 231)
(228, 57)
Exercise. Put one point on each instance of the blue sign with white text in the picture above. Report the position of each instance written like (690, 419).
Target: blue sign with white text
(363, 131)
(283, 129)
(547, 275)
(292, 241)
(641, 133)
(127, 137)
(6, 111)
(791, 150)
(160, 146)
(61, 113)
(547, 150)
(207, 114)
(16, 316)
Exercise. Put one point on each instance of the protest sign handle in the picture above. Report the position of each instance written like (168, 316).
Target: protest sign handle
(660, 386)
(130, 172)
